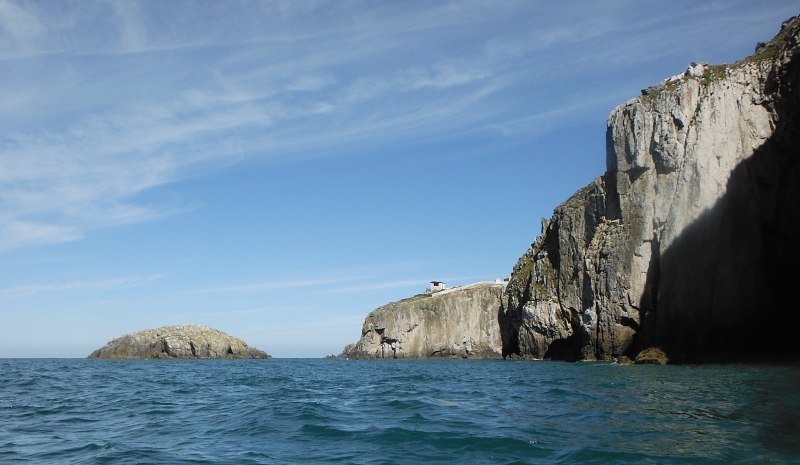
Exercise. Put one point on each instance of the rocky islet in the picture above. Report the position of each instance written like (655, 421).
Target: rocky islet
(178, 342)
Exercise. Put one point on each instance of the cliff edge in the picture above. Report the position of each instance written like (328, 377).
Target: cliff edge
(178, 342)
(689, 241)
(455, 323)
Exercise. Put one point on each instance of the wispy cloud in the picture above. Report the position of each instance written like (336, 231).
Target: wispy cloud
(272, 285)
(391, 284)
(346, 280)
(29, 290)
(17, 233)
(246, 311)
(328, 322)
(379, 286)
(19, 23)
(58, 181)
(96, 116)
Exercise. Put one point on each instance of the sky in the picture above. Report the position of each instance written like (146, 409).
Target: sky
(277, 170)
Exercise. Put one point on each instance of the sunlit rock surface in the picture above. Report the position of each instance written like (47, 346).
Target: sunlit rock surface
(460, 322)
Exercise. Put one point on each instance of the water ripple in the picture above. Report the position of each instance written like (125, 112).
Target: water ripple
(317, 411)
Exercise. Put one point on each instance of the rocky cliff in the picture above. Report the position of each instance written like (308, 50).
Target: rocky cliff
(691, 239)
(455, 323)
(183, 341)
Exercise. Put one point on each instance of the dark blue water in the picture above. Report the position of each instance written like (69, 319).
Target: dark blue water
(373, 412)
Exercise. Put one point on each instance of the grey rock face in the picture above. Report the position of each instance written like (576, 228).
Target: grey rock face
(182, 341)
(455, 323)
(689, 241)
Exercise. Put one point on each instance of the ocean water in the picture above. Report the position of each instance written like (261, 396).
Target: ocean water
(67, 411)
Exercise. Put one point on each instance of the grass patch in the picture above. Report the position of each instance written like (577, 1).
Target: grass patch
(713, 74)
(414, 297)
(772, 49)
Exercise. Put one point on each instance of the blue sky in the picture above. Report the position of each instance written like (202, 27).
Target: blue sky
(279, 169)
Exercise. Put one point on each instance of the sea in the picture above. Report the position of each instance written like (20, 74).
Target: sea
(75, 411)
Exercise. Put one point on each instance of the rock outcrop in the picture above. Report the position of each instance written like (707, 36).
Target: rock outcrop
(182, 341)
(691, 239)
(460, 322)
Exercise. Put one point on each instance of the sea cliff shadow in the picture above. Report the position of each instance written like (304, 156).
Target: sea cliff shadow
(509, 331)
(727, 288)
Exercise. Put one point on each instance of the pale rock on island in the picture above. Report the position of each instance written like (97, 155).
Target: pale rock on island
(454, 323)
(178, 342)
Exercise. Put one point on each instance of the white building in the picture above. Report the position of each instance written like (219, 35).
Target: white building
(437, 286)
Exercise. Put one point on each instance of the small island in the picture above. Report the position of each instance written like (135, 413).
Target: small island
(178, 342)
(459, 322)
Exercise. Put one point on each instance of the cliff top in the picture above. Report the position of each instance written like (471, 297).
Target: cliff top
(468, 286)
(786, 38)
(428, 295)
(781, 44)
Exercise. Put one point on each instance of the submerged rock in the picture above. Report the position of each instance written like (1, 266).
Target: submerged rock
(689, 241)
(456, 323)
(182, 342)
